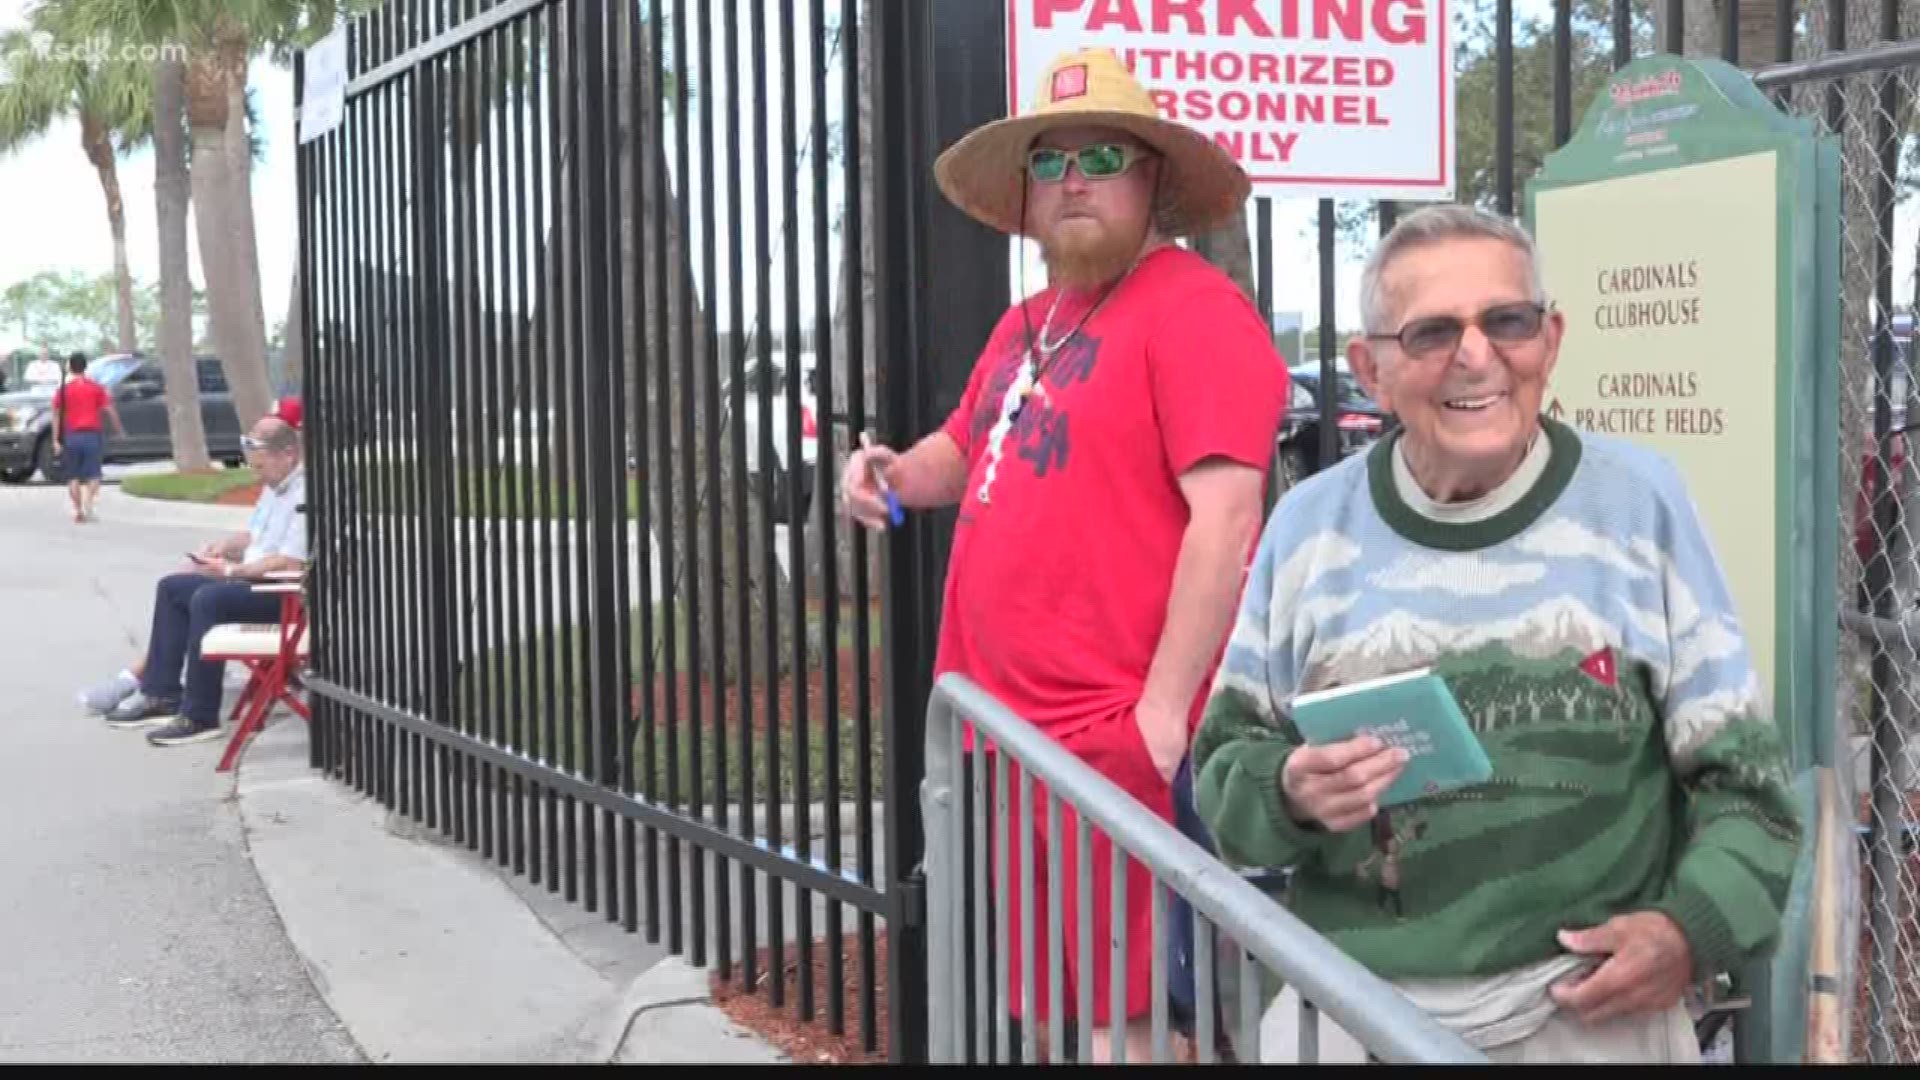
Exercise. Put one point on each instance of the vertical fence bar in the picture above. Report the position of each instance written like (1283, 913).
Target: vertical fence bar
(763, 386)
(716, 520)
(1730, 32)
(1029, 1001)
(666, 278)
(553, 499)
(1248, 1048)
(1674, 32)
(590, 439)
(737, 455)
(1622, 33)
(1502, 105)
(1203, 1022)
(984, 991)
(1783, 24)
(1117, 958)
(470, 471)
(821, 479)
(620, 847)
(687, 585)
(566, 238)
(791, 153)
(853, 183)
(493, 790)
(306, 196)
(1158, 959)
(438, 380)
(1056, 933)
(1002, 939)
(520, 475)
(1309, 1033)
(639, 98)
(1263, 259)
(355, 493)
(717, 623)
(1329, 450)
(1084, 990)
(1563, 71)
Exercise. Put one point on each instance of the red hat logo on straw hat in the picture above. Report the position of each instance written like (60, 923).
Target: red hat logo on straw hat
(1070, 82)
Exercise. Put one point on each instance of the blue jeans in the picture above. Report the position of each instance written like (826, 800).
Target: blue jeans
(1180, 965)
(185, 607)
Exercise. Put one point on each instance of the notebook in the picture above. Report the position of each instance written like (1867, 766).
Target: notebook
(1414, 710)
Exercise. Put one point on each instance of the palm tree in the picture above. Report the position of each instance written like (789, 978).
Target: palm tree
(112, 101)
(221, 37)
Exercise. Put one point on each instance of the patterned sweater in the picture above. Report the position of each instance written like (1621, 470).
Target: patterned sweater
(1591, 640)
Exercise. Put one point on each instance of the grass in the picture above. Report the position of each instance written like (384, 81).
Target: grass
(715, 739)
(188, 487)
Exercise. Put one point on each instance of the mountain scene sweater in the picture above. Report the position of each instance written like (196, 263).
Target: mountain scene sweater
(1590, 638)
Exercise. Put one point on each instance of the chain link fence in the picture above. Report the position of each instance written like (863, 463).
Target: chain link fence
(1871, 114)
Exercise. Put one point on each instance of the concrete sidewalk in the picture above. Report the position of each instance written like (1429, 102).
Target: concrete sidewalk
(426, 952)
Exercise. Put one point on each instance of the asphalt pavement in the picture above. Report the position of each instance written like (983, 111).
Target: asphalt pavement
(133, 924)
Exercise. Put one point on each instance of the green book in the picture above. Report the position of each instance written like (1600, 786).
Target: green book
(1414, 710)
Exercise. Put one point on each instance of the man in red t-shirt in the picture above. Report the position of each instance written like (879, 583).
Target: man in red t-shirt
(1108, 459)
(77, 408)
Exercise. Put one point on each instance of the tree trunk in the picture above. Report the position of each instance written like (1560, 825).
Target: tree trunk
(170, 189)
(653, 250)
(240, 207)
(292, 339)
(98, 144)
(240, 339)
(1229, 249)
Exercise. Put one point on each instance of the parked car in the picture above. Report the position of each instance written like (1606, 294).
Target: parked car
(1360, 421)
(138, 386)
(774, 479)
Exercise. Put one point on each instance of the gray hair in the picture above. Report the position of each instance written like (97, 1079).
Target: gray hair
(1430, 225)
(281, 437)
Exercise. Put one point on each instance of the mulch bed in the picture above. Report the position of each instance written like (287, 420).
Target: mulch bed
(763, 694)
(809, 1042)
(240, 496)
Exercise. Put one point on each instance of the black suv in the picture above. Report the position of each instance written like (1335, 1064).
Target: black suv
(139, 394)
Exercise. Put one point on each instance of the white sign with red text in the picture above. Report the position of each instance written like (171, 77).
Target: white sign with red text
(1320, 98)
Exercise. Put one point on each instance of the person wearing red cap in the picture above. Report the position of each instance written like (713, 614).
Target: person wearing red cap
(290, 410)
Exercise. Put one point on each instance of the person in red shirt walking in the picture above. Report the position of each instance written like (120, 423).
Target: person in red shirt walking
(1108, 459)
(77, 408)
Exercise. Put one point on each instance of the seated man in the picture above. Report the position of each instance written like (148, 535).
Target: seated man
(219, 589)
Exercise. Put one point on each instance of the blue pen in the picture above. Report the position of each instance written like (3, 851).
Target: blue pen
(895, 513)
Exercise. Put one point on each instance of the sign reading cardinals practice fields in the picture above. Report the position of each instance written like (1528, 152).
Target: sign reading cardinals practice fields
(1328, 98)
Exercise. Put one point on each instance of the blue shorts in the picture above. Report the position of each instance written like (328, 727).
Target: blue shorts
(84, 451)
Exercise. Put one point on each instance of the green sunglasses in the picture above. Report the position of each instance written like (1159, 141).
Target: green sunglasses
(1097, 161)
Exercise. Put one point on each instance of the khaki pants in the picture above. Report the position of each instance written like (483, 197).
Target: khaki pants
(1665, 1038)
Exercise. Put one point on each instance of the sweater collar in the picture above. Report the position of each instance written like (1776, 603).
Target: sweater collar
(1550, 478)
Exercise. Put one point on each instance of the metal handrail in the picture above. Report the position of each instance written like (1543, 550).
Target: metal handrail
(1366, 1006)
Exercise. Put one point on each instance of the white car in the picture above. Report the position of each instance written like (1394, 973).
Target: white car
(774, 482)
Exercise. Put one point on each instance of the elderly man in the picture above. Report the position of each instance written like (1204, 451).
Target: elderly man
(1107, 457)
(1637, 834)
(218, 589)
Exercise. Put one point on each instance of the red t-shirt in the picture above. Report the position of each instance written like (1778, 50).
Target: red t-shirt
(1057, 587)
(80, 401)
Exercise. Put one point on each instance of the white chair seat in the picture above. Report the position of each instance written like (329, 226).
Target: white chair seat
(238, 640)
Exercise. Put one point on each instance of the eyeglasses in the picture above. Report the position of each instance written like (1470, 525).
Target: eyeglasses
(251, 444)
(1097, 161)
(1439, 335)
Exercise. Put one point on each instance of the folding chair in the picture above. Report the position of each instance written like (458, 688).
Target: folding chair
(273, 655)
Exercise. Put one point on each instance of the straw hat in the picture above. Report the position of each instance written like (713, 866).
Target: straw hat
(984, 174)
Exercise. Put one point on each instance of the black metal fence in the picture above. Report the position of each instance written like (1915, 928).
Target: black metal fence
(585, 282)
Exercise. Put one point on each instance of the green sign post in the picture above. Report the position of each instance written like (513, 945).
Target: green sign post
(1690, 233)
